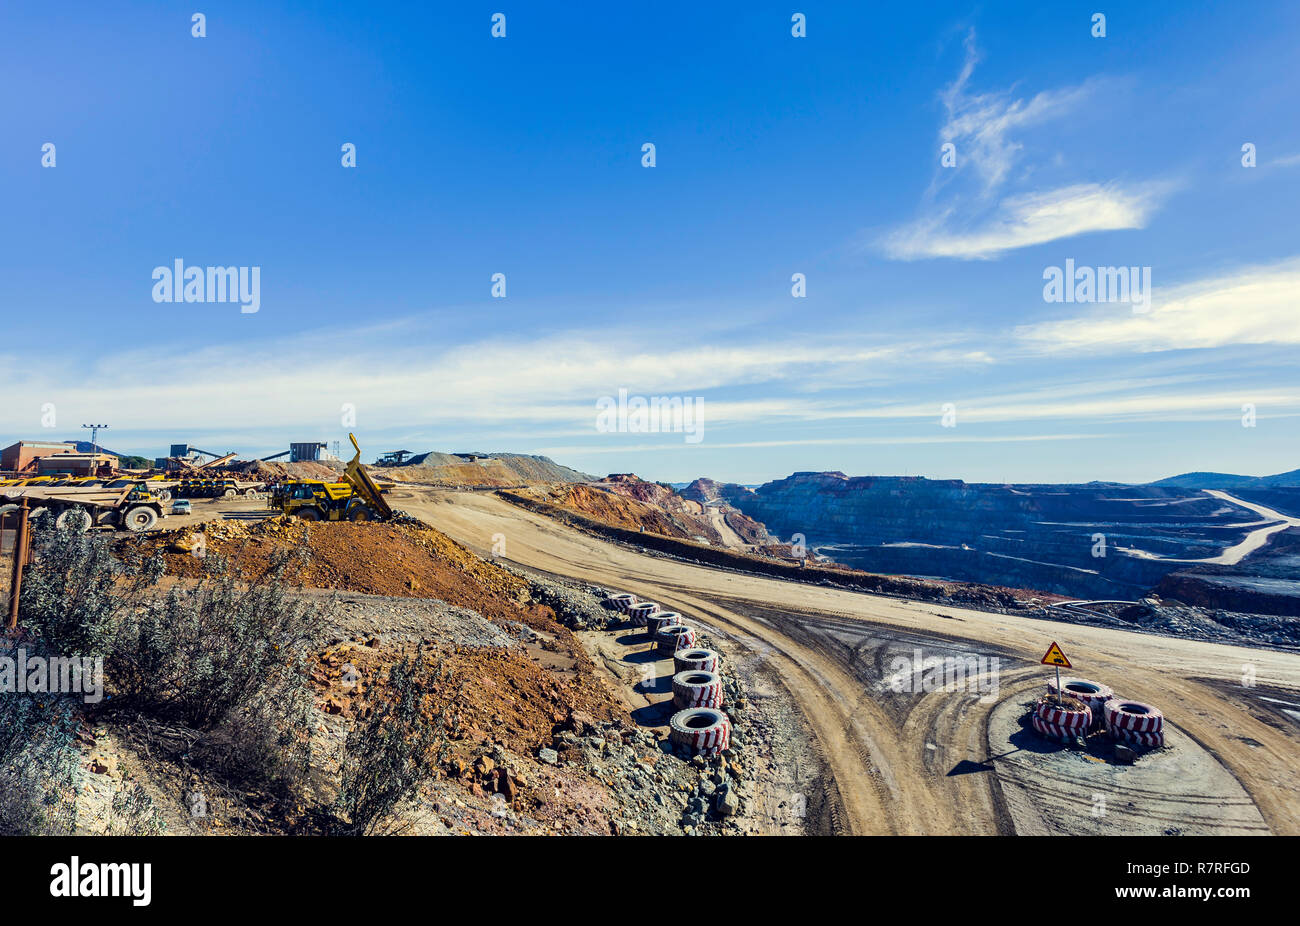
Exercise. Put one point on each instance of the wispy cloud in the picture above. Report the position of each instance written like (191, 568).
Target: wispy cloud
(764, 387)
(1254, 305)
(1027, 219)
(397, 382)
(980, 124)
(987, 130)
(946, 437)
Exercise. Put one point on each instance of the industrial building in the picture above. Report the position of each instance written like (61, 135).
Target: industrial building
(77, 464)
(22, 457)
(310, 452)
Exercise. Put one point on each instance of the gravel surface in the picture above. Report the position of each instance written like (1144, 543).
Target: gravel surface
(407, 620)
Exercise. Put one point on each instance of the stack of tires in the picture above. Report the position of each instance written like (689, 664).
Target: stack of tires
(699, 725)
(672, 637)
(1093, 694)
(621, 601)
(697, 688)
(1134, 723)
(660, 619)
(1061, 719)
(641, 611)
(700, 730)
(706, 660)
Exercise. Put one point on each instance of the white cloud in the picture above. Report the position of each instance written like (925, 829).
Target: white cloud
(553, 382)
(946, 437)
(979, 123)
(1255, 305)
(1028, 219)
(402, 381)
(986, 130)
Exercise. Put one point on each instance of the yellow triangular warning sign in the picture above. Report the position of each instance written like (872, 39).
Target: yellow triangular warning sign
(1055, 657)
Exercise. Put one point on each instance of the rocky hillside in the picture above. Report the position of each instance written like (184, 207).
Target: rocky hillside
(1026, 536)
(533, 736)
(1265, 583)
(714, 495)
(627, 501)
(487, 469)
(1230, 480)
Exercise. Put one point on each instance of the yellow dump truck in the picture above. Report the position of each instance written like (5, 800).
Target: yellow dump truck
(129, 507)
(356, 498)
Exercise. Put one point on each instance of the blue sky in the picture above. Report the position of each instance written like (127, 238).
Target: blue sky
(775, 155)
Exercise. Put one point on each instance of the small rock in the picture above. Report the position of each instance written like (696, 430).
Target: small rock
(549, 756)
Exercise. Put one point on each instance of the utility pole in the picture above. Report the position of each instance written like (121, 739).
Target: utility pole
(94, 442)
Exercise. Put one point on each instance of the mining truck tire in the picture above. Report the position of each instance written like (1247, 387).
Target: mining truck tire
(75, 519)
(139, 519)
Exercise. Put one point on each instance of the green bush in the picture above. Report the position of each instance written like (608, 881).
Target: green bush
(76, 590)
(389, 755)
(38, 758)
(203, 650)
(222, 656)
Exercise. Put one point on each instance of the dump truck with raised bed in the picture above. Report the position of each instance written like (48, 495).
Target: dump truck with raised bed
(128, 507)
(356, 498)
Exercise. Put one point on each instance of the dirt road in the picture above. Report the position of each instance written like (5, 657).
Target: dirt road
(931, 762)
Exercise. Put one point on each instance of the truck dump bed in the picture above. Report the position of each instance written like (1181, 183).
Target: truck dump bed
(364, 486)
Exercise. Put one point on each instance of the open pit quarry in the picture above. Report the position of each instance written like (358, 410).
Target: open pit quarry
(870, 760)
(829, 701)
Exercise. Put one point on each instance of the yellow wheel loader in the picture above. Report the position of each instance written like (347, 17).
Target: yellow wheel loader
(356, 498)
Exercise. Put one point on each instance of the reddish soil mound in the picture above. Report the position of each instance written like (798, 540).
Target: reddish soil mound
(615, 509)
(491, 694)
(400, 560)
(630, 502)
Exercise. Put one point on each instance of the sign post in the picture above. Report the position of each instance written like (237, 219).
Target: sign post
(1054, 657)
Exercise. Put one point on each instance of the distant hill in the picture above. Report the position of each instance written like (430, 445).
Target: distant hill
(481, 469)
(1229, 481)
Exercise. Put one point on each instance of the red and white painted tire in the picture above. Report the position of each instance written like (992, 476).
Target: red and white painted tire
(697, 688)
(641, 611)
(1053, 730)
(704, 730)
(660, 619)
(1133, 716)
(672, 637)
(1076, 721)
(705, 660)
(1093, 694)
(1153, 740)
(621, 601)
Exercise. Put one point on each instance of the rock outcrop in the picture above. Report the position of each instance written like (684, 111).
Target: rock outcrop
(1027, 536)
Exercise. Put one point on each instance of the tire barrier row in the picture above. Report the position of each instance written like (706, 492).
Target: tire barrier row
(699, 725)
(703, 730)
(696, 688)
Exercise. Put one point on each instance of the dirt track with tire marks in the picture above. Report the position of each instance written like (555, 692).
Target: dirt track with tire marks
(922, 763)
